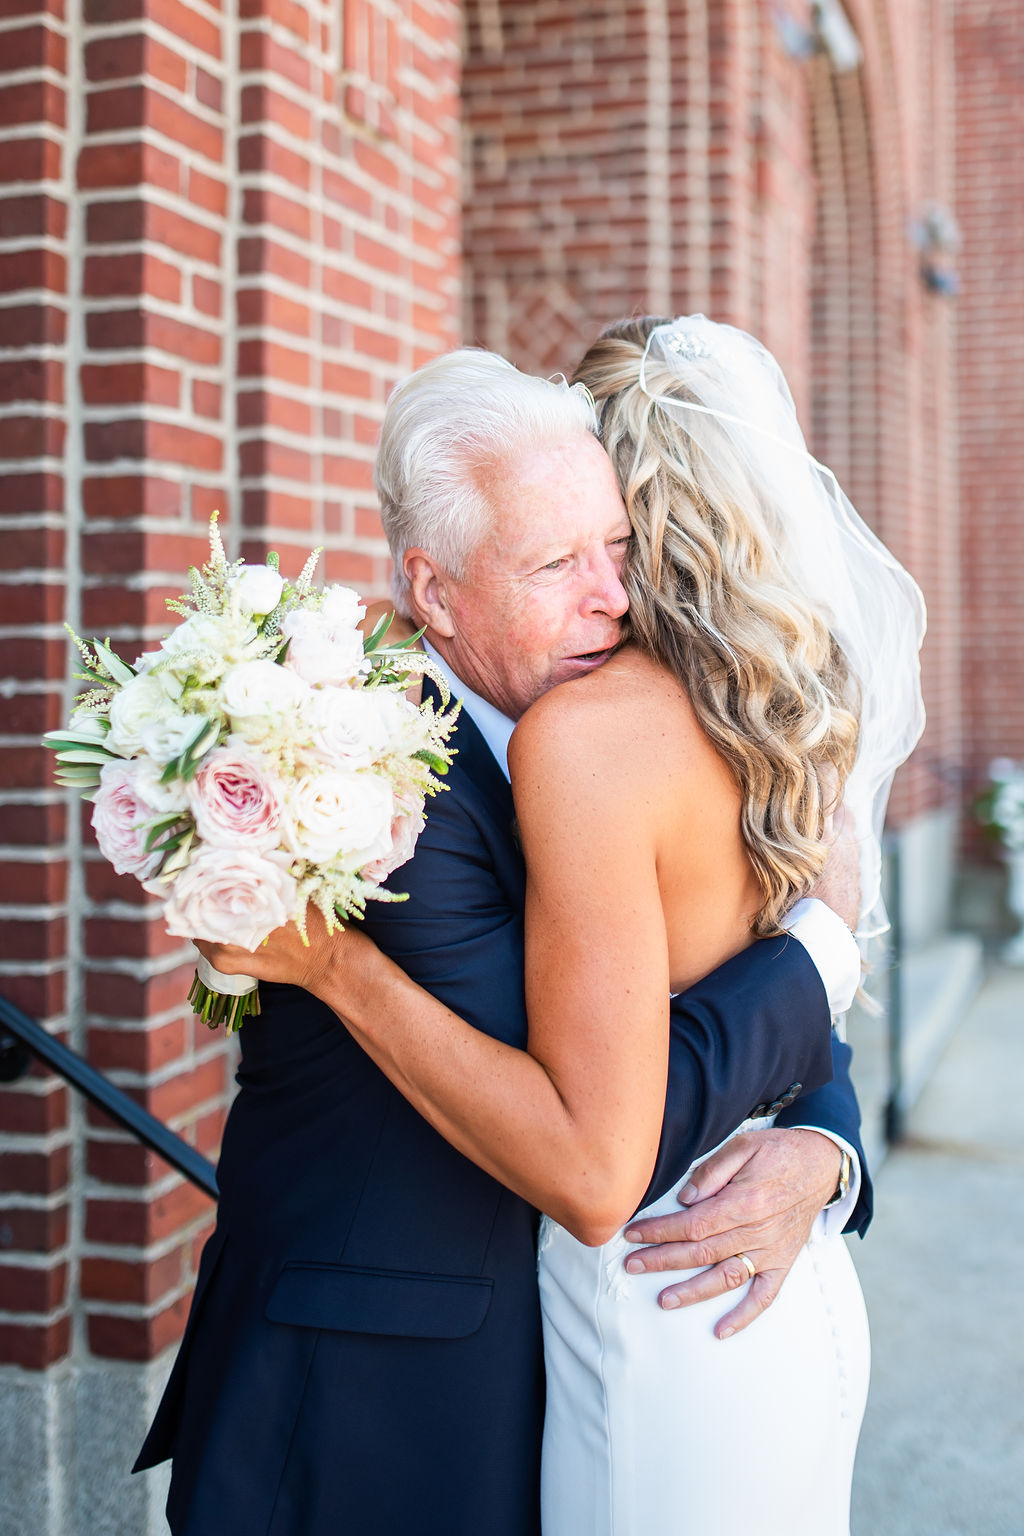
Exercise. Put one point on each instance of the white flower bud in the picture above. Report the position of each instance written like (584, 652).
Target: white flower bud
(258, 589)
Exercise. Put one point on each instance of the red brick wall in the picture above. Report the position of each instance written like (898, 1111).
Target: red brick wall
(787, 192)
(566, 207)
(222, 244)
(989, 381)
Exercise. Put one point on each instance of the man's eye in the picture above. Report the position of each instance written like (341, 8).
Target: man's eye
(555, 565)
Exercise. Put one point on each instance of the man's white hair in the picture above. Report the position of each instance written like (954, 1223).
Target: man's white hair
(443, 426)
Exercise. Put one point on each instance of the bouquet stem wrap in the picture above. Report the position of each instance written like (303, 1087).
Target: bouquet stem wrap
(220, 999)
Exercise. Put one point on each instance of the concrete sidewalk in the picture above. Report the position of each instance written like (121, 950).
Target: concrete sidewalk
(942, 1452)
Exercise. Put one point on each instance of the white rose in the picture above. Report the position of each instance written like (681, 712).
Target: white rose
(120, 817)
(338, 816)
(139, 703)
(404, 724)
(341, 608)
(167, 738)
(88, 726)
(1008, 812)
(320, 653)
(406, 827)
(164, 798)
(258, 589)
(201, 631)
(349, 726)
(232, 896)
(256, 689)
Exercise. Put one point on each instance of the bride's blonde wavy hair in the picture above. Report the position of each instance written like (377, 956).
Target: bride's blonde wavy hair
(709, 598)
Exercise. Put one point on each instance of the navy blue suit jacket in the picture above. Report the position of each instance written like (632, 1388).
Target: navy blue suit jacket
(363, 1353)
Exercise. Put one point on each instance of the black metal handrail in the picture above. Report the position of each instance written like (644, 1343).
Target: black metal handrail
(895, 1107)
(106, 1095)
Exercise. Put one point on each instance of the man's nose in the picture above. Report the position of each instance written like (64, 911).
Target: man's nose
(607, 594)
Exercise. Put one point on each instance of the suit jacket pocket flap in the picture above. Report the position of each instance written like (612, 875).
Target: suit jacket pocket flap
(385, 1301)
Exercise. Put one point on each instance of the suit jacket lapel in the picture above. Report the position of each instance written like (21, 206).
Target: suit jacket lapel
(476, 760)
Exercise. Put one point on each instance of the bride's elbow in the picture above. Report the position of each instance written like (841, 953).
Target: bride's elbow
(593, 1216)
(595, 1233)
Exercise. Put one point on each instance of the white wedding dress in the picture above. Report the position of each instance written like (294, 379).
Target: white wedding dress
(655, 1426)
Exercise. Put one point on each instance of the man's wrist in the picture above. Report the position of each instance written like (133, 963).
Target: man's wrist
(842, 1188)
(828, 1166)
(839, 1213)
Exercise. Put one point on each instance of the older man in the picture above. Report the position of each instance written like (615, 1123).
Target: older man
(363, 1353)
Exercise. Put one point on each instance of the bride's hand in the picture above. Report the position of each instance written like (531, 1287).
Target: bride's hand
(283, 956)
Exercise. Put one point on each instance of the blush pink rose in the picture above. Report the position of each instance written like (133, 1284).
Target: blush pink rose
(232, 896)
(234, 802)
(406, 827)
(120, 815)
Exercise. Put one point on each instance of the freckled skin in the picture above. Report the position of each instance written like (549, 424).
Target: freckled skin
(542, 599)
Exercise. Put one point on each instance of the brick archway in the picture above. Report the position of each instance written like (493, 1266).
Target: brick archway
(844, 364)
(566, 215)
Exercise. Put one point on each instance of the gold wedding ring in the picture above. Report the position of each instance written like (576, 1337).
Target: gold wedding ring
(748, 1261)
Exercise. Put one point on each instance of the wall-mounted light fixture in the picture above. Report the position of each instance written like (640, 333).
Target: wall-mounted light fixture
(828, 31)
(936, 236)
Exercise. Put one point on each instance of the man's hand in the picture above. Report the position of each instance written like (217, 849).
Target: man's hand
(838, 885)
(759, 1195)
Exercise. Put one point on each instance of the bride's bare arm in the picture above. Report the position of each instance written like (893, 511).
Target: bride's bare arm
(572, 1123)
(400, 627)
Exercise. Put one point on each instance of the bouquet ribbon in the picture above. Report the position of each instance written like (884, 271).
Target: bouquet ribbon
(230, 986)
(220, 999)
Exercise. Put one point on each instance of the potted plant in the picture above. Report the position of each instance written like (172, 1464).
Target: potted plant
(1000, 811)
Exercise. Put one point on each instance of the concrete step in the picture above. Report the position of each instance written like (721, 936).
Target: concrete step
(938, 982)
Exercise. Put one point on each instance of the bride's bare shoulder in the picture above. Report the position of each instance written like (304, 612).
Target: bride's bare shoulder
(400, 627)
(629, 716)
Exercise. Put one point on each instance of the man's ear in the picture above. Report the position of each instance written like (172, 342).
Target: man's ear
(428, 592)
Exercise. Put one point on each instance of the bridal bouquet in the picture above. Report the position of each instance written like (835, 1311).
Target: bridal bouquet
(263, 758)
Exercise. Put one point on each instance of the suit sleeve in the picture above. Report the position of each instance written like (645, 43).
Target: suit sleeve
(755, 1031)
(459, 933)
(834, 1107)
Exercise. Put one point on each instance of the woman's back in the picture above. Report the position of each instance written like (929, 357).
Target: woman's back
(632, 725)
(644, 1405)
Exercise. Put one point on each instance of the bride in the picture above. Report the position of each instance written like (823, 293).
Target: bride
(672, 804)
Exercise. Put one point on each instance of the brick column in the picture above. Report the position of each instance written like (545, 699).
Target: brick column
(989, 55)
(35, 1318)
(348, 258)
(226, 235)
